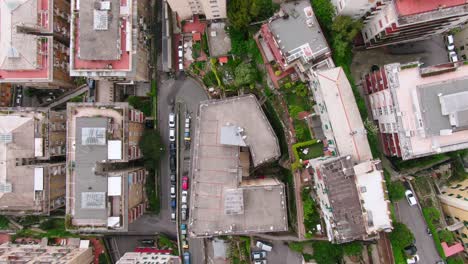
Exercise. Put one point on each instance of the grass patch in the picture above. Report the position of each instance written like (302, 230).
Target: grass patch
(432, 215)
(315, 150)
(4, 223)
(311, 213)
(54, 228)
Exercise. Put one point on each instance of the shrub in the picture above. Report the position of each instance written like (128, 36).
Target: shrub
(447, 236)
(296, 246)
(4, 223)
(278, 73)
(353, 248)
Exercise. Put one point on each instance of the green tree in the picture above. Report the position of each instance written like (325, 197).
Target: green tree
(300, 89)
(344, 30)
(294, 111)
(396, 191)
(327, 253)
(353, 248)
(455, 260)
(151, 148)
(446, 236)
(324, 11)
(402, 234)
(4, 223)
(245, 74)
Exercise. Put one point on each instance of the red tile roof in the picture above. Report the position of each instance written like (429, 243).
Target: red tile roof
(223, 60)
(411, 7)
(196, 36)
(269, 39)
(449, 251)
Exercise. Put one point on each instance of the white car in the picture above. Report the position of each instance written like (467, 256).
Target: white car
(171, 120)
(410, 197)
(412, 260)
(264, 246)
(256, 255)
(260, 261)
(171, 134)
(453, 56)
(184, 197)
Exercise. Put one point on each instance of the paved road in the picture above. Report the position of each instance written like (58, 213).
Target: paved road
(282, 254)
(432, 50)
(412, 217)
(188, 93)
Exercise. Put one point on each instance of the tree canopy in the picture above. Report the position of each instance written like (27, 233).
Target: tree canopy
(245, 74)
(151, 148)
(402, 234)
(243, 12)
(344, 30)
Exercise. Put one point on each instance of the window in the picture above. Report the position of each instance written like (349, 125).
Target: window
(215, 16)
(380, 24)
(213, 1)
(462, 47)
(365, 34)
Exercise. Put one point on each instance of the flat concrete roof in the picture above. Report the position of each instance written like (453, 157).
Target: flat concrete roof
(431, 111)
(86, 180)
(339, 178)
(99, 44)
(300, 31)
(217, 170)
(404, 85)
(218, 40)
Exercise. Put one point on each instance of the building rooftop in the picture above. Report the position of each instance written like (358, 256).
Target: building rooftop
(99, 35)
(444, 106)
(148, 258)
(25, 56)
(371, 187)
(339, 178)
(411, 7)
(297, 33)
(343, 114)
(423, 129)
(101, 45)
(221, 202)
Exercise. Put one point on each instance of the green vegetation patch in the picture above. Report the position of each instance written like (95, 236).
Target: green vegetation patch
(432, 216)
(311, 213)
(400, 238)
(4, 223)
(142, 104)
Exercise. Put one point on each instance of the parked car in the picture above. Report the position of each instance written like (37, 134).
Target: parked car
(410, 250)
(172, 118)
(180, 51)
(186, 257)
(262, 261)
(171, 134)
(183, 229)
(173, 216)
(185, 244)
(453, 56)
(173, 178)
(185, 185)
(172, 147)
(173, 191)
(147, 242)
(184, 197)
(449, 42)
(258, 255)
(264, 246)
(172, 163)
(410, 197)
(183, 212)
(412, 260)
(173, 203)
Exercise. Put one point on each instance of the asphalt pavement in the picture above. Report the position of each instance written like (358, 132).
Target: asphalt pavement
(432, 50)
(281, 254)
(412, 217)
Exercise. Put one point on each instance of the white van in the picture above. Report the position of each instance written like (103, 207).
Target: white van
(184, 197)
(264, 246)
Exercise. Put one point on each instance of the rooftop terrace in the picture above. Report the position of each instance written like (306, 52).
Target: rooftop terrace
(221, 202)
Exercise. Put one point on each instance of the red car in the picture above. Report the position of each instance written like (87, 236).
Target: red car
(185, 183)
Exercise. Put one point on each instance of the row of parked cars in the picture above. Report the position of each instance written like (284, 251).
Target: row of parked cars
(449, 42)
(172, 163)
(259, 256)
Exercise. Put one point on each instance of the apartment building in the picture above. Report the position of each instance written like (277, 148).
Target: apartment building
(75, 252)
(109, 40)
(396, 21)
(104, 192)
(186, 9)
(148, 258)
(352, 197)
(355, 8)
(293, 40)
(419, 111)
(454, 200)
(34, 43)
(32, 177)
